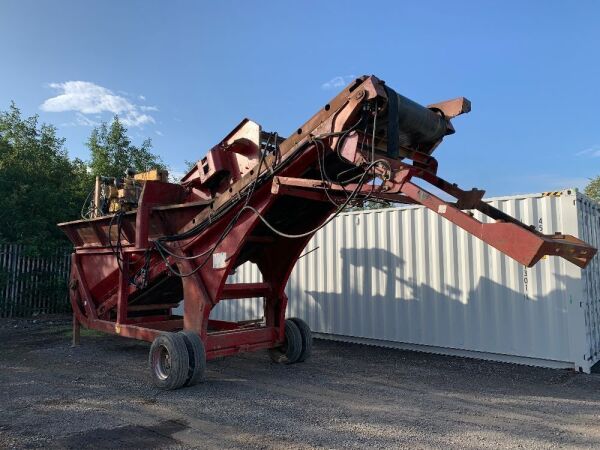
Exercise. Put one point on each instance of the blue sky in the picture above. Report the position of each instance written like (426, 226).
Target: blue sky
(185, 73)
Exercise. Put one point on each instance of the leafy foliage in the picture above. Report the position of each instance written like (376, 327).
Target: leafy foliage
(189, 165)
(39, 185)
(593, 189)
(112, 151)
(370, 204)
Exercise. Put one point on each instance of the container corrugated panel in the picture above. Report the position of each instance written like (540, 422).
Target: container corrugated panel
(589, 231)
(408, 277)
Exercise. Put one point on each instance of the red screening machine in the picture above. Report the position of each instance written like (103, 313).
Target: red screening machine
(258, 197)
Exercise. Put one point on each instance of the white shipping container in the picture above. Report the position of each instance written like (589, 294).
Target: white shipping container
(407, 278)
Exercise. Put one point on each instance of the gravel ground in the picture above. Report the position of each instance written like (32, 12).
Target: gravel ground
(98, 395)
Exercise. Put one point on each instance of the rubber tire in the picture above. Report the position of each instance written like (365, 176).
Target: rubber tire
(175, 346)
(292, 348)
(197, 357)
(307, 339)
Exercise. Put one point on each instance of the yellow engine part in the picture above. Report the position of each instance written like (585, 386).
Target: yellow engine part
(125, 197)
(114, 206)
(153, 175)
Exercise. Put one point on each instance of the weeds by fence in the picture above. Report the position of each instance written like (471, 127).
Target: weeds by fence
(31, 285)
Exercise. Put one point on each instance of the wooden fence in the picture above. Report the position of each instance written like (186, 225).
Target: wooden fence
(32, 285)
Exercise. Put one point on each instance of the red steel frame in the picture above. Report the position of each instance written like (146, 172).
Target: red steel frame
(202, 290)
(101, 294)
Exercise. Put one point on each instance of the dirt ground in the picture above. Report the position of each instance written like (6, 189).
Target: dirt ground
(99, 395)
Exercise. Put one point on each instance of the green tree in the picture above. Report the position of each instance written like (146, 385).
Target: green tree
(112, 152)
(39, 185)
(593, 189)
(189, 165)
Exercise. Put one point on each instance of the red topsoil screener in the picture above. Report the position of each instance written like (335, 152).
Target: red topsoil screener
(258, 197)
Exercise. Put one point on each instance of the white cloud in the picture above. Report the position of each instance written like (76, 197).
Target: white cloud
(337, 82)
(135, 119)
(85, 97)
(80, 119)
(160, 133)
(142, 98)
(148, 108)
(592, 152)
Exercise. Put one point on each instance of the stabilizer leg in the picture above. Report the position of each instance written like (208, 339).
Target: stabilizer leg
(76, 332)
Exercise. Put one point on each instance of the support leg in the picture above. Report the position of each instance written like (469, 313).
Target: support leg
(123, 293)
(197, 304)
(275, 313)
(76, 332)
